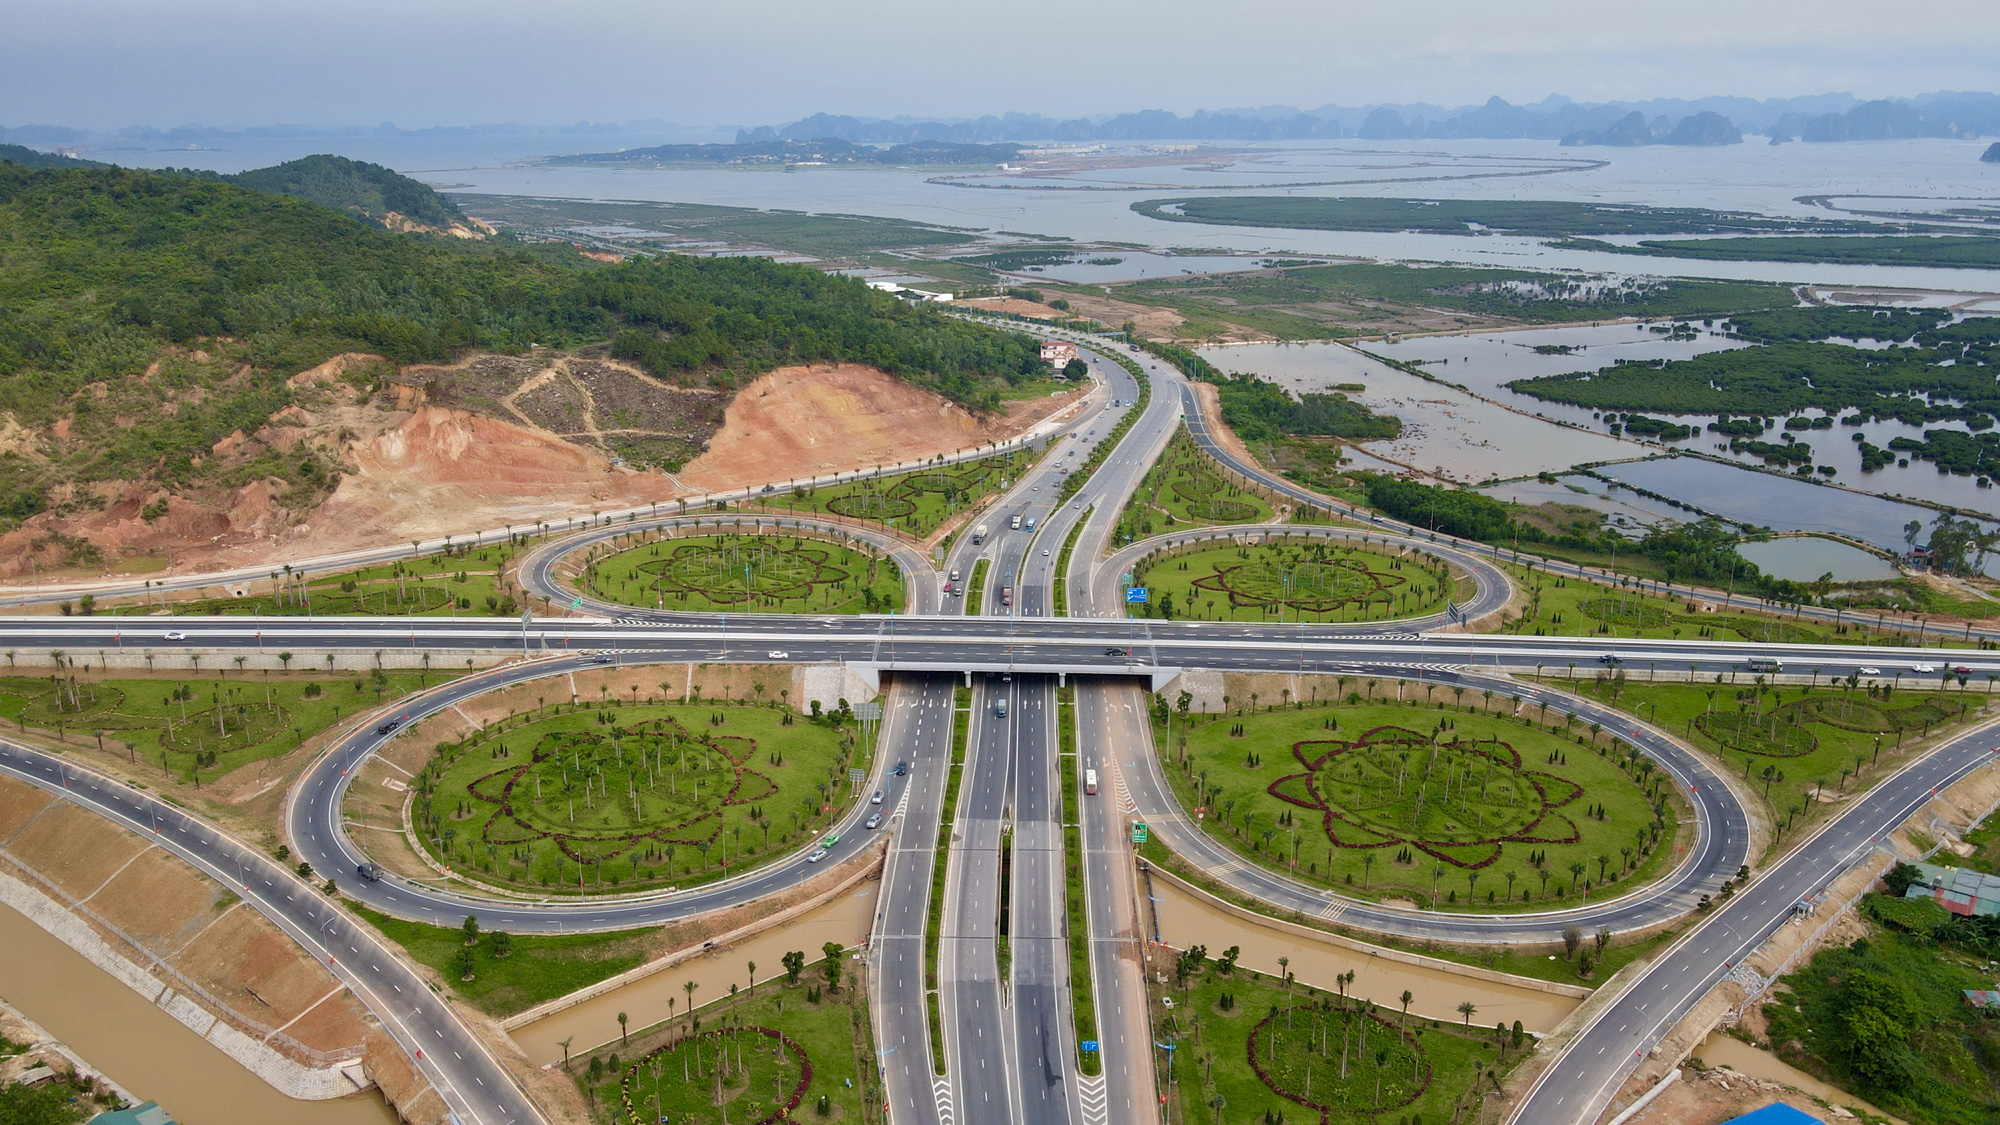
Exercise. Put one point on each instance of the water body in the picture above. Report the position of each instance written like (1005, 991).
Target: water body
(1134, 265)
(1446, 432)
(143, 1048)
(1776, 502)
(1803, 558)
(1749, 176)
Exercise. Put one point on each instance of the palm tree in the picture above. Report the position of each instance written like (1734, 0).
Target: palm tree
(565, 1046)
(753, 973)
(1216, 1103)
(1466, 1008)
(1406, 997)
(622, 1017)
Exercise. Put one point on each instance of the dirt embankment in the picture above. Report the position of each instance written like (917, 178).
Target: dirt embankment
(494, 440)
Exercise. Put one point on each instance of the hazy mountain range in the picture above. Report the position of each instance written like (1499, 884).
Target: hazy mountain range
(1703, 121)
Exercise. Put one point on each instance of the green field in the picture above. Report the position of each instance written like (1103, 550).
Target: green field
(1248, 1048)
(1443, 798)
(529, 969)
(749, 574)
(1291, 580)
(1185, 488)
(1315, 302)
(1571, 607)
(914, 503)
(460, 581)
(632, 797)
(1790, 742)
(774, 1051)
(825, 235)
(201, 725)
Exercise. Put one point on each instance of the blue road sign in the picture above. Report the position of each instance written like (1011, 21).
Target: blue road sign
(1090, 1044)
(1135, 593)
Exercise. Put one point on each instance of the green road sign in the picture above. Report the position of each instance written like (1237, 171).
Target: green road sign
(1138, 832)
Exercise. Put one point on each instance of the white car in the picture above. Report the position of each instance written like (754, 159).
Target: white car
(1923, 669)
(1045, 552)
(1868, 671)
(816, 856)
(778, 654)
(177, 636)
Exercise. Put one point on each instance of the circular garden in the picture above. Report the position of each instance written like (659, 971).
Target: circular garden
(1422, 792)
(753, 573)
(1292, 579)
(1340, 1059)
(629, 796)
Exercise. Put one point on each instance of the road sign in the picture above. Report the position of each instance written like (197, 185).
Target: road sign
(1138, 831)
(577, 604)
(854, 776)
(868, 712)
(1089, 1044)
(1135, 593)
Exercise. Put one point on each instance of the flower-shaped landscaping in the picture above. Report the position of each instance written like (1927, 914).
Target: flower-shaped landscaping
(1458, 800)
(1307, 585)
(598, 795)
(749, 570)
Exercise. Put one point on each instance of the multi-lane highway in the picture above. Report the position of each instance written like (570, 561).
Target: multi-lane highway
(1003, 969)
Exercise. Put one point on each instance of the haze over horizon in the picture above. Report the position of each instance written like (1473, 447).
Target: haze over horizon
(105, 64)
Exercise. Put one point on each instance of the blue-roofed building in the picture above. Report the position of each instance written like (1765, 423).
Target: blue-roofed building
(1962, 891)
(1777, 1113)
(148, 1114)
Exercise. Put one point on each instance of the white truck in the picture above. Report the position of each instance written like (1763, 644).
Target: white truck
(979, 535)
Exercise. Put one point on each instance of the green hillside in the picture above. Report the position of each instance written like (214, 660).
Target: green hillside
(354, 186)
(103, 272)
(30, 158)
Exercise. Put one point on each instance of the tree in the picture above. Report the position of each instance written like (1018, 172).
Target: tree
(502, 942)
(463, 962)
(1901, 878)
(564, 1044)
(1572, 939)
(833, 950)
(1466, 1008)
(1406, 997)
(471, 929)
(794, 963)
(622, 1038)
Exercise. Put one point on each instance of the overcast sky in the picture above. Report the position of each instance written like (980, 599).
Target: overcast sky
(103, 63)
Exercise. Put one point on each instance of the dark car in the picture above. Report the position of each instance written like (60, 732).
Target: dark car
(385, 728)
(902, 768)
(1610, 658)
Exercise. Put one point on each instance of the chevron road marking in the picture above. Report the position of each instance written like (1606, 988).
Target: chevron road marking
(1096, 1100)
(941, 1091)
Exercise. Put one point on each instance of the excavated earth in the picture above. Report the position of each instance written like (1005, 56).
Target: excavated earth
(433, 450)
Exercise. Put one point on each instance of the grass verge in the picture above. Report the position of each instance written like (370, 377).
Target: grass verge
(975, 591)
(533, 967)
(1083, 999)
(961, 720)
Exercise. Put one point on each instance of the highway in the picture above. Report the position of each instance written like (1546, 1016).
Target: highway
(1009, 1037)
(444, 1050)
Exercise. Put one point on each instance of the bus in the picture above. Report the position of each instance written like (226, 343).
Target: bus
(1015, 525)
(1764, 664)
(1090, 782)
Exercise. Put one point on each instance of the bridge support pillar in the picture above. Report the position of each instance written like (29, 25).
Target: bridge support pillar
(968, 678)
(1062, 678)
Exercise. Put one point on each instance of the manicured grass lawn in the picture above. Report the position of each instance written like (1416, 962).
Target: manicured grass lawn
(177, 725)
(537, 967)
(914, 502)
(719, 1065)
(749, 574)
(1436, 800)
(465, 581)
(1291, 580)
(1355, 1061)
(1566, 607)
(634, 796)
(1184, 488)
(1788, 742)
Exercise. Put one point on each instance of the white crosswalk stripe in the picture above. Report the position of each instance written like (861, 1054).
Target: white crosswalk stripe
(1096, 1100)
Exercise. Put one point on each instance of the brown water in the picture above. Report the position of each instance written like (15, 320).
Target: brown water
(1724, 1050)
(1437, 992)
(847, 919)
(143, 1048)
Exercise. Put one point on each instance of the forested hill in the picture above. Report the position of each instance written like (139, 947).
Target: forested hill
(105, 271)
(357, 187)
(30, 158)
